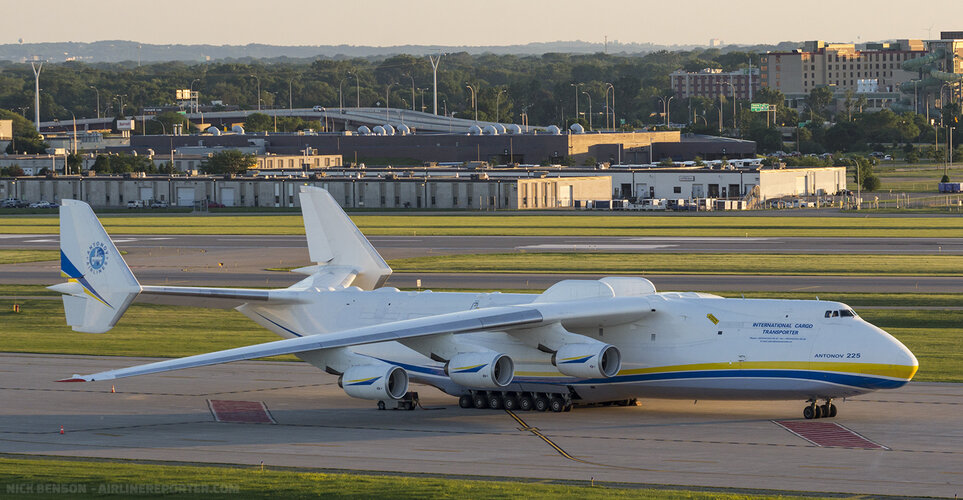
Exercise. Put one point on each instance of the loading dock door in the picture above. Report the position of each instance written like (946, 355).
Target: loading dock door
(227, 197)
(185, 197)
(146, 193)
(565, 196)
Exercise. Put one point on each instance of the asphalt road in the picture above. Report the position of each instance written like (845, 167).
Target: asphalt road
(241, 261)
(740, 444)
(408, 246)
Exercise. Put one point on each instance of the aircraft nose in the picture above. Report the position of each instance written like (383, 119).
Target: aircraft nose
(902, 360)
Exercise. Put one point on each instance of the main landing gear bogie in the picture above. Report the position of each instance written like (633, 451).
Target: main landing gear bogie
(520, 401)
(815, 410)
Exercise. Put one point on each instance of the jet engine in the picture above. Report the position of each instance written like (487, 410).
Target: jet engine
(483, 370)
(588, 360)
(374, 381)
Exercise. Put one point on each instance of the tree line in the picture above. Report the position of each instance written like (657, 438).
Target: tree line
(544, 89)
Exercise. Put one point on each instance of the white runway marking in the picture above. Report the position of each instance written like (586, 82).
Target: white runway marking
(589, 246)
(697, 238)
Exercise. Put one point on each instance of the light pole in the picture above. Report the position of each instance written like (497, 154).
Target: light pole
(473, 101)
(75, 138)
(412, 91)
(291, 91)
(357, 81)
(576, 99)
(665, 107)
(193, 102)
(434, 70)
(341, 96)
(422, 98)
(120, 98)
(497, 96)
(98, 100)
(590, 109)
(608, 87)
(258, 91)
(731, 86)
(387, 102)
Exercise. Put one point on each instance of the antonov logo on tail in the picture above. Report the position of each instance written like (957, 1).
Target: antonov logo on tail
(510, 350)
(96, 257)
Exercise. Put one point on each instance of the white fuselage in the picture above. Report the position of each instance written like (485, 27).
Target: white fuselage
(693, 346)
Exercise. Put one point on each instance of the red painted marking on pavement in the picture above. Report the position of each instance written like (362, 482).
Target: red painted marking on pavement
(828, 434)
(252, 412)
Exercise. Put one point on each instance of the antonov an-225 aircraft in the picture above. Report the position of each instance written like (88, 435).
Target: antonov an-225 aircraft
(578, 342)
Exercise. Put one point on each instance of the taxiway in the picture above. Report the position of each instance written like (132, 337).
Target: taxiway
(705, 443)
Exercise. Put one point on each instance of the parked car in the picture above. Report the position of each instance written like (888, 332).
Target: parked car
(135, 204)
(214, 204)
(158, 204)
(43, 204)
(12, 203)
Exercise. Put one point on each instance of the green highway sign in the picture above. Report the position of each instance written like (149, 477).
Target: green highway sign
(758, 107)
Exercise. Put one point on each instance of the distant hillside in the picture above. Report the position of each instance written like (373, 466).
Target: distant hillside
(120, 50)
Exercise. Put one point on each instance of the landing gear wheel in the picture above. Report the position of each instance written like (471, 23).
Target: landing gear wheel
(541, 403)
(480, 400)
(568, 407)
(832, 410)
(381, 405)
(495, 401)
(824, 411)
(510, 402)
(526, 403)
(809, 412)
(557, 404)
(465, 401)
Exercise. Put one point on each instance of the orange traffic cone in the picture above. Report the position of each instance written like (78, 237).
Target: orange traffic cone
(61, 429)
(112, 390)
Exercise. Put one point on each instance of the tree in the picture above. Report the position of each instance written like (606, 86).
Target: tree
(258, 122)
(863, 175)
(12, 171)
(165, 122)
(231, 161)
(818, 100)
(25, 136)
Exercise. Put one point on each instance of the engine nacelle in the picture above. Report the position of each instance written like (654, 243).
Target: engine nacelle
(588, 360)
(483, 370)
(375, 381)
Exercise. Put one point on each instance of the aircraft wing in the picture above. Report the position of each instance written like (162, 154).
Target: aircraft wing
(506, 318)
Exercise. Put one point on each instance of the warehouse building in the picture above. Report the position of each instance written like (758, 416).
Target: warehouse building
(458, 191)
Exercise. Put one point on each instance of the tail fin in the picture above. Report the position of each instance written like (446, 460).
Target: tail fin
(334, 241)
(99, 285)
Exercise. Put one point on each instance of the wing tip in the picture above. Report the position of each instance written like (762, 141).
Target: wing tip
(75, 378)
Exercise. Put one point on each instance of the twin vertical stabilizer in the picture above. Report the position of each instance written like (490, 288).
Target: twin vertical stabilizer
(99, 285)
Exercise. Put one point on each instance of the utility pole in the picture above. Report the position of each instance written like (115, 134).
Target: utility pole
(36, 107)
(434, 70)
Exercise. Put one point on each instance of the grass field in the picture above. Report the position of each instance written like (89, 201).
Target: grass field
(935, 336)
(513, 223)
(97, 478)
(21, 256)
(648, 263)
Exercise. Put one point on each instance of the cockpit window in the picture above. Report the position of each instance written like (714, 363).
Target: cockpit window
(845, 313)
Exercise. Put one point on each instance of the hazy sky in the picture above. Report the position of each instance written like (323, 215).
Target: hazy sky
(489, 22)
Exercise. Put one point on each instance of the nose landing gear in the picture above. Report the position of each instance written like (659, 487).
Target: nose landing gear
(814, 410)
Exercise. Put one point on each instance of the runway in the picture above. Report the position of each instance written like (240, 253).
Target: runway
(392, 247)
(242, 261)
(706, 443)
